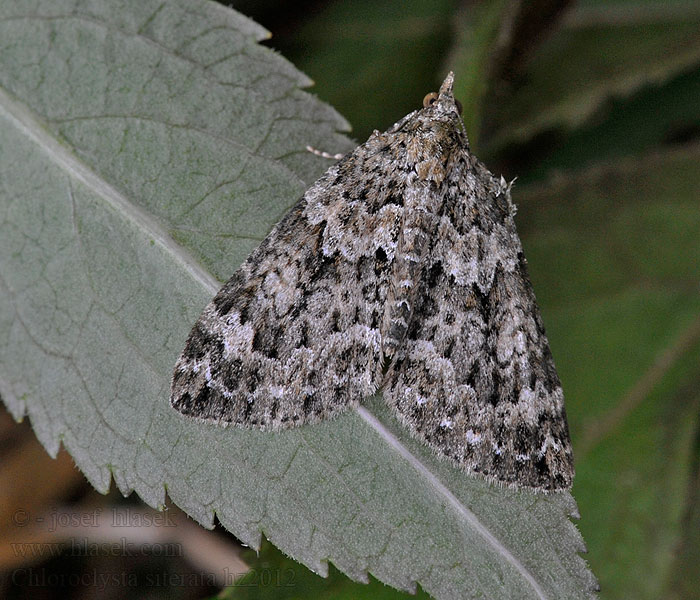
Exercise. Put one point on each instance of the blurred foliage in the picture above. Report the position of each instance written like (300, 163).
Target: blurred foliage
(595, 108)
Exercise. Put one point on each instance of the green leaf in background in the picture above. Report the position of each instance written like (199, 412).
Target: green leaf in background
(614, 254)
(602, 50)
(474, 55)
(145, 148)
(375, 60)
(684, 579)
(493, 39)
(360, 49)
(656, 115)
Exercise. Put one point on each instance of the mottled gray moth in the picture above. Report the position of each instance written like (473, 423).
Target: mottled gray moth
(400, 271)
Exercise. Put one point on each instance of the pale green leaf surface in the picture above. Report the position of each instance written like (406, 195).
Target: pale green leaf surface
(274, 576)
(144, 149)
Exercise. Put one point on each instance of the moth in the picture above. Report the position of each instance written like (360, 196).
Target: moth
(400, 271)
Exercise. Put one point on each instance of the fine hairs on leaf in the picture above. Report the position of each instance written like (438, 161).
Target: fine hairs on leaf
(149, 148)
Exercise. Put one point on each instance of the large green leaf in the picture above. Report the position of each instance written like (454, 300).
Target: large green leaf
(145, 148)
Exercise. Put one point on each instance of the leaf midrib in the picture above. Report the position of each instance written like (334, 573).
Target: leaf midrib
(34, 129)
(450, 498)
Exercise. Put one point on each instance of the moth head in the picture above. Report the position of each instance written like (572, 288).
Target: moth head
(438, 125)
(444, 100)
(445, 96)
(433, 137)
